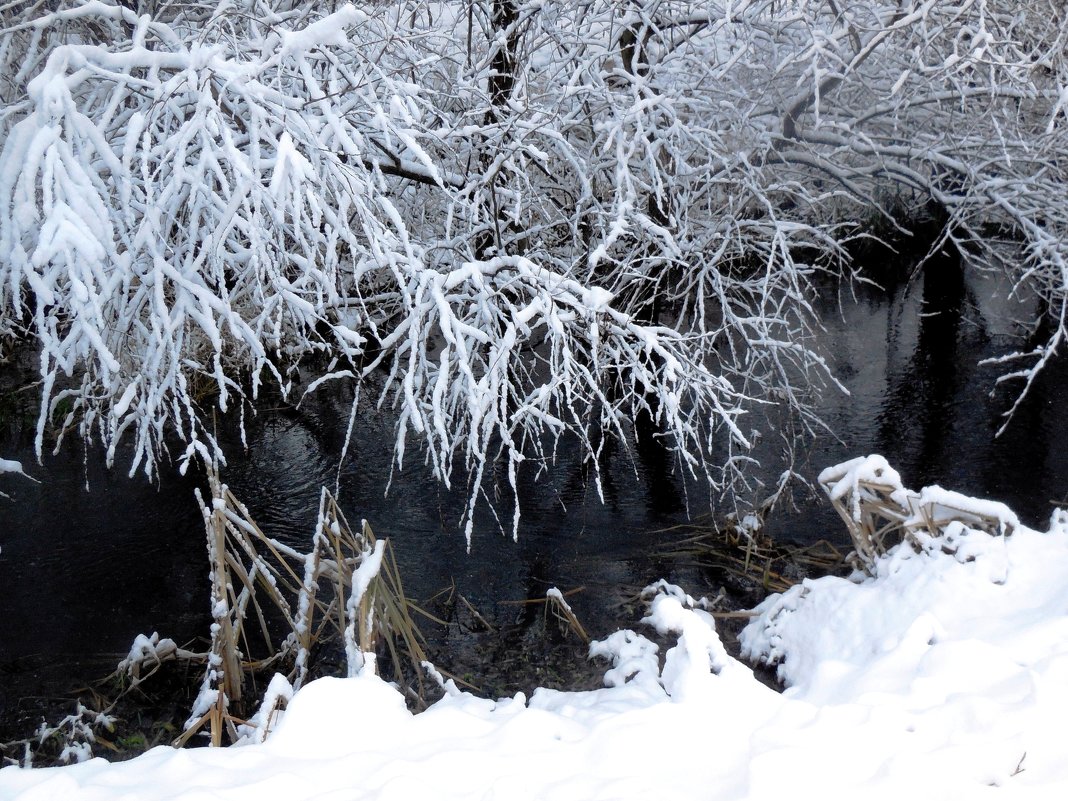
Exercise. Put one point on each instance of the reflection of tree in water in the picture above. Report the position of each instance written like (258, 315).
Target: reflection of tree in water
(639, 471)
(656, 462)
(1028, 468)
(916, 418)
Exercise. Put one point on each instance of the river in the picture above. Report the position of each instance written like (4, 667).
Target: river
(89, 558)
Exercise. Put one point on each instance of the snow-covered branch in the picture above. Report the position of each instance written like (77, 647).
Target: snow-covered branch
(532, 218)
(177, 215)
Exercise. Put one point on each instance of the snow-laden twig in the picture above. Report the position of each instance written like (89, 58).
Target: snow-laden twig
(559, 222)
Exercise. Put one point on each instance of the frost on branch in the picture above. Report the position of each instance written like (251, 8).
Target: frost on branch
(174, 217)
(526, 219)
(470, 391)
(184, 217)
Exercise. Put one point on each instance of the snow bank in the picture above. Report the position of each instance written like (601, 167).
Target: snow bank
(943, 675)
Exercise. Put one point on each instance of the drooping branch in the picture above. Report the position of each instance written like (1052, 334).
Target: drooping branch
(193, 203)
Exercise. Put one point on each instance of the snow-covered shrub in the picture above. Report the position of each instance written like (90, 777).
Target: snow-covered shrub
(531, 218)
(74, 735)
(880, 512)
(954, 544)
(187, 213)
(175, 212)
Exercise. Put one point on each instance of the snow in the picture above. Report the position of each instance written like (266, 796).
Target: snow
(846, 478)
(10, 466)
(944, 674)
(146, 648)
(937, 499)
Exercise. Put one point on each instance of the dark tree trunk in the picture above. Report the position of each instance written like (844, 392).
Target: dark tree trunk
(502, 64)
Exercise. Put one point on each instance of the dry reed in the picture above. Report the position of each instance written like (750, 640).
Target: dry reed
(346, 589)
(879, 516)
(564, 614)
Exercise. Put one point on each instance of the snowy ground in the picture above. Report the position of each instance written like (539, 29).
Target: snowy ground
(943, 676)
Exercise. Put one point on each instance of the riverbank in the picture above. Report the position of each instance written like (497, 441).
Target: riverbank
(941, 674)
(127, 556)
(494, 650)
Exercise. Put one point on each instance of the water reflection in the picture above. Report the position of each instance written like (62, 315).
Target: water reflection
(911, 360)
(924, 386)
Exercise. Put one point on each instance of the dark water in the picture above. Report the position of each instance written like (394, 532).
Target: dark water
(84, 571)
(919, 396)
